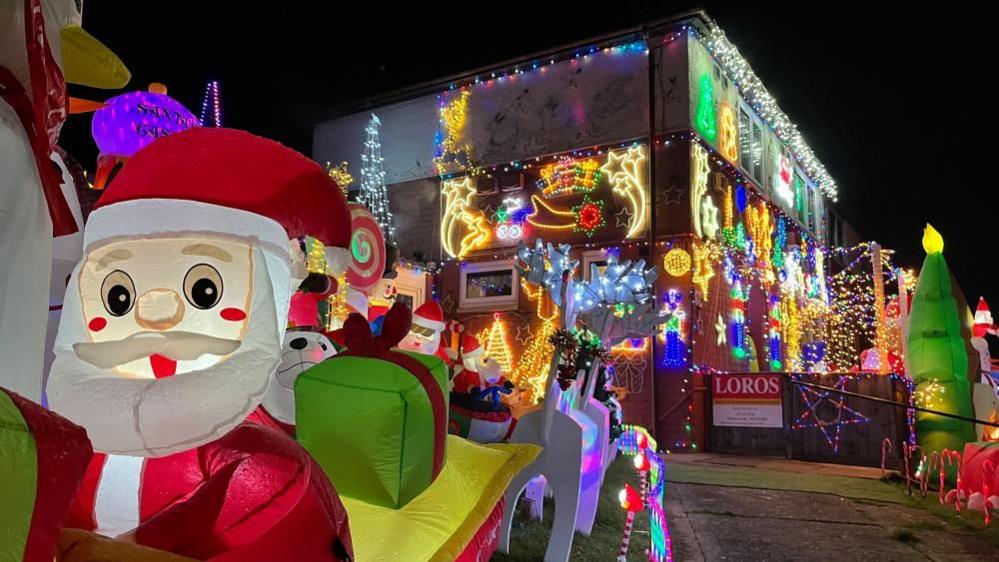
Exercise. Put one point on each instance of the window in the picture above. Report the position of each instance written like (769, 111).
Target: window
(597, 257)
(489, 285)
(802, 199)
(756, 152)
(744, 137)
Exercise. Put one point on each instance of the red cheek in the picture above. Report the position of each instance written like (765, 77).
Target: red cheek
(232, 314)
(97, 324)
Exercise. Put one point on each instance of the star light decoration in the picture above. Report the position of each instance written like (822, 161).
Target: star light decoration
(624, 169)
(831, 429)
(721, 331)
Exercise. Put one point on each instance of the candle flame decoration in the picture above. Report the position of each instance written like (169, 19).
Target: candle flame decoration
(933, 242)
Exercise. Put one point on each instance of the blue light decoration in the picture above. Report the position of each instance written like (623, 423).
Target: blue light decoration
(740, 197)
(738, 296)
(674, 332)
(773, 334)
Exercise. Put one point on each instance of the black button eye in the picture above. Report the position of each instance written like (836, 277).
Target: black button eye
(118, 293)
(203, 286)
(298, 343)
(322, 345)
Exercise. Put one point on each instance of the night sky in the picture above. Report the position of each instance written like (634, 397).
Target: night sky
(895, 103)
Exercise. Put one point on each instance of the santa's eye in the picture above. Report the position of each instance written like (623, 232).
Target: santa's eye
(118, 293)
(203, 286)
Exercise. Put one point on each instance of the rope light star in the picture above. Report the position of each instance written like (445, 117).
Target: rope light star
(624, 169)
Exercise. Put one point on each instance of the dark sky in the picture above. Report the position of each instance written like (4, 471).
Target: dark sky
(895, 101)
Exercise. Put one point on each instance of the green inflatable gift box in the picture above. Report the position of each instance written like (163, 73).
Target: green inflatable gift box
(375, 418)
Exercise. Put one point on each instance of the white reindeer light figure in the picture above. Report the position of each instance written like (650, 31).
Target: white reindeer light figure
(617, 304)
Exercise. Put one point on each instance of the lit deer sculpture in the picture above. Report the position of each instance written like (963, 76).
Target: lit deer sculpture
(619, 304)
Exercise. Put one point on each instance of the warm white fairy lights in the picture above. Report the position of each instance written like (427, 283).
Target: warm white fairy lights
(754, 92)
(373, 193)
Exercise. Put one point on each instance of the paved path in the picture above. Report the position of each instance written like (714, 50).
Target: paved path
(716, 522)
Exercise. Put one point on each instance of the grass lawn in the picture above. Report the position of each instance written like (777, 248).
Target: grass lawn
(529, 539)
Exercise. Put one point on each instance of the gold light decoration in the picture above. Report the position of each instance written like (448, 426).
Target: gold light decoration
(704, 254)
(340, 175)
(463, 228)
(699, 171)
(315, 258)
(453, 117)
(676, 262)
(625, 171)
(531, 373)
(497, 345)
(729, 133)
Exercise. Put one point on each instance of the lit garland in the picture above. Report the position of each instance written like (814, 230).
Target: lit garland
(532, 369)
(792, 333)
(674, 331)
(568, 176)
(774, 334)
(497, 346)
(625, 171)
(753, 90)
(373, 193)
(450, 155)
(852, 323)
(738, 296)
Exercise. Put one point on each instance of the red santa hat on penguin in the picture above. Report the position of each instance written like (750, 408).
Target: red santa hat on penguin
(983, 319)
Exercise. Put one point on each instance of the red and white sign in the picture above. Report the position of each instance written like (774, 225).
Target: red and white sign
(747, 400)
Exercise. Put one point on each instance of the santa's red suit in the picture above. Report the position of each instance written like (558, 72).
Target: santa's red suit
(206, 503)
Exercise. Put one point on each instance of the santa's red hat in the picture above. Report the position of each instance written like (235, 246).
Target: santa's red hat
(226, 182)
(470, 347)
(429, 315)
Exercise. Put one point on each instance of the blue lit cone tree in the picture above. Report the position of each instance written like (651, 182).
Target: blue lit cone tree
(937, 355)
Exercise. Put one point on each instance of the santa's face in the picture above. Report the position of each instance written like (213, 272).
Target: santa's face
(195, 291)
(421, 340)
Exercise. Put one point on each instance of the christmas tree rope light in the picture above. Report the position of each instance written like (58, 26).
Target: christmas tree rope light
(373, 193)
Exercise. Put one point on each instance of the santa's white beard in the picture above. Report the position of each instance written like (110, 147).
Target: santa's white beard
(159, 417)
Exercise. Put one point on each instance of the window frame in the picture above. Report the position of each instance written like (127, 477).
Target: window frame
(504, 302)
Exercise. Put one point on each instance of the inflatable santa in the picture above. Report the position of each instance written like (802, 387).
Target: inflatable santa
(425, 333)
(36, 38)
(171, 331)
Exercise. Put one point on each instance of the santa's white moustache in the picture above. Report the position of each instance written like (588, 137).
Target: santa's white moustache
(159, 417)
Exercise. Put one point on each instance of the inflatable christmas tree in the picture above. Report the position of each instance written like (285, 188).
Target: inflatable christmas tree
(937, 354)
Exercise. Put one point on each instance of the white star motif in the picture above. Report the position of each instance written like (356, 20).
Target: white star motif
(709, 217)
(722, 330)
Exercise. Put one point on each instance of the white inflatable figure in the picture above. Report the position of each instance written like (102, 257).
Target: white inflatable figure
(32, 109)
(425, 333)
(66, 253)
(560, 437)
(302, 350)
(171, 332)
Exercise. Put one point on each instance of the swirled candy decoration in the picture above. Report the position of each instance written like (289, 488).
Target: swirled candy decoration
(367, 249)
